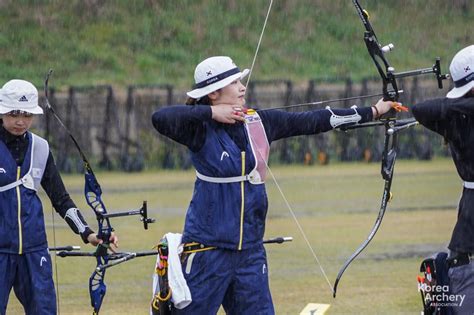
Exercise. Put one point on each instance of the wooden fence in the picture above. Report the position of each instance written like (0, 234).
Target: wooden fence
(114, 126)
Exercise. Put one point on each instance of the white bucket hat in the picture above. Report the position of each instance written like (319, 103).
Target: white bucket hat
(19, 95)
(462, 72)
(213, 74)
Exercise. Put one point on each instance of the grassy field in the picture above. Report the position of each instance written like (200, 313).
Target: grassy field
(151, 41)
(336, 206)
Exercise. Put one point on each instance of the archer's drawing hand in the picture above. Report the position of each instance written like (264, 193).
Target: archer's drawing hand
(227, 114)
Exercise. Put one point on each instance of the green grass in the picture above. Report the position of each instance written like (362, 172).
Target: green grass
(149, 42)
(336, 206)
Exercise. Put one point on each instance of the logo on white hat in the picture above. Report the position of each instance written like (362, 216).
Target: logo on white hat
(467, 69)
(19, 95)
(213, 74)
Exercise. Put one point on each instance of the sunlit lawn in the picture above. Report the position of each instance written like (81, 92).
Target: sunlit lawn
(336, 206)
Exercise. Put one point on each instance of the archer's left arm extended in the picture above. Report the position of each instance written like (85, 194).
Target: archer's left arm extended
(280, 124)
(54, 187)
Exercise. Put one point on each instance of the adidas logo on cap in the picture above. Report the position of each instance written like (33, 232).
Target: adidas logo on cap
(19, 95)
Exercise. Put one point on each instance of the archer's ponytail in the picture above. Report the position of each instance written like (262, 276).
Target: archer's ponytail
(200, 101)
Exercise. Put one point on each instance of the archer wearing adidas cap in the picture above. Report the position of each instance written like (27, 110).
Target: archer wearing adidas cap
(453, 118)
(26, 164)
(229, 146)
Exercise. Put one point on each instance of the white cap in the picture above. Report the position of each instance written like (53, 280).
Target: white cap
(19, 95)
(462, 72)
(213, 74)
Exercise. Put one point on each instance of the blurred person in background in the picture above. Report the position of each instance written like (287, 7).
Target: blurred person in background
(26, 163)
(453, 118)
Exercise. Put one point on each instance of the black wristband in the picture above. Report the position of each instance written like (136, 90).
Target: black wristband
(85, 234)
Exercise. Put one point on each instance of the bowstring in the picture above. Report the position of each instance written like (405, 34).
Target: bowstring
(300, 228)
(293, 214)
(259, 42)
(52, 217)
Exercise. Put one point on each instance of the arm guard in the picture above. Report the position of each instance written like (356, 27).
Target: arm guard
(337, 120)
(76, 222)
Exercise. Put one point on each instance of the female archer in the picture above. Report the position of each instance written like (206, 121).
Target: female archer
(26, 164)
(224, 261)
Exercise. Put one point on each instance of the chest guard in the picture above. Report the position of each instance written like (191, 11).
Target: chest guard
(260, 150)
(260, 146)
(39, 151)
